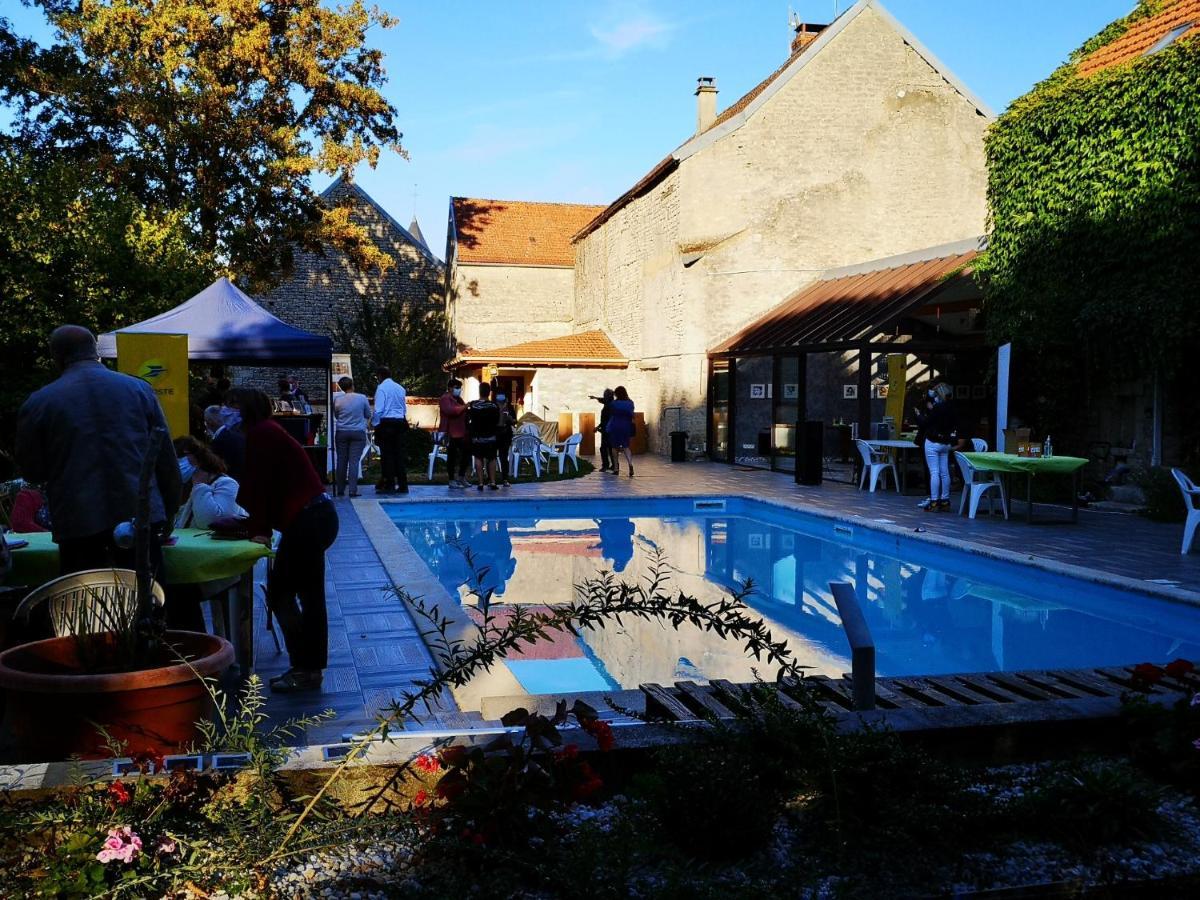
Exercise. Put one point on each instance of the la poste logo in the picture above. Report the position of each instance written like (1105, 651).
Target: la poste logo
(151, 369)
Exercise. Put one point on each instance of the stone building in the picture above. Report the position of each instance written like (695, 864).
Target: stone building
(326, 287)
(510, 270)
(861, 145)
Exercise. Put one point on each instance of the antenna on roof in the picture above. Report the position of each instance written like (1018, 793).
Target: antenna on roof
(793, 19)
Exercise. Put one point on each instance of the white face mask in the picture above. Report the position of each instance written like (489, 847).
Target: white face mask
(457, 392)
(186, 468)
(500, 398)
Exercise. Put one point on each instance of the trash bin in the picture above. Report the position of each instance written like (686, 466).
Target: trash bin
(810, 453)
(679, 446)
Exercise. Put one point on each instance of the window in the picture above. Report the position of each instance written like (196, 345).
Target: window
(1169, 38)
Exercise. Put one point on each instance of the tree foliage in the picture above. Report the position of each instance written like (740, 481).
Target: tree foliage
(220, 109)
(412, 341)
(1094, 196)
(74, 248)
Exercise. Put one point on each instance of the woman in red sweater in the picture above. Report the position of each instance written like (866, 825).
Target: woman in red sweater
(280, 490)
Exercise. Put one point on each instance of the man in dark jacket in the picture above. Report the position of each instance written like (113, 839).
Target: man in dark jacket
(84, 436)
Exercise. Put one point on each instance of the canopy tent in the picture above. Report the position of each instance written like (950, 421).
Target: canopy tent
(224, 325)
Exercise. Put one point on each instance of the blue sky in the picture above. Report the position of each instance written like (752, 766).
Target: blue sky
(574, 102)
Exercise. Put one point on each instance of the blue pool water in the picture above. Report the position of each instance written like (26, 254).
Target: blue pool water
(931, 610)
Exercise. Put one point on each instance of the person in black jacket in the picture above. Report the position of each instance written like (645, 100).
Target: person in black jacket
(483, 421)
(606, 457)
(937, 423)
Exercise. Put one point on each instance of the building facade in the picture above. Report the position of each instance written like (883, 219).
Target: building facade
(860, 146)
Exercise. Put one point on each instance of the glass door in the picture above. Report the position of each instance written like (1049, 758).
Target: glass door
(719, 416)
(784, 430)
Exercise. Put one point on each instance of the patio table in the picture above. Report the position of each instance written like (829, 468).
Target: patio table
(1029, 466)
(899, 447)
(194, 558)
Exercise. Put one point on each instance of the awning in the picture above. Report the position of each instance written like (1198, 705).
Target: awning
(855, 304)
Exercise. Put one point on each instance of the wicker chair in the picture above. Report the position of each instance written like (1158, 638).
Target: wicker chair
(89, 602)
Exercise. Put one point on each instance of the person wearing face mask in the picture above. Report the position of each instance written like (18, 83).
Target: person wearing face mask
(453, 426)
(504, 433)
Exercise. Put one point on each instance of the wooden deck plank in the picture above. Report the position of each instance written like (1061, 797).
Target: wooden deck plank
(1052, 685)
(1087, 681)
(702, 697)
(1019, 687)
(1125, 678)
(834, 690)
(733, 693)
(887, 697)
(920, 693)
(947, 687)
(1167, 682)
(661, 702)
(981, 685)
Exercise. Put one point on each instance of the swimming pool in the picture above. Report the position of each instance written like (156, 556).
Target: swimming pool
(931, 609)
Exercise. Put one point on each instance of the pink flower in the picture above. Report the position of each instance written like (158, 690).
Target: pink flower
(122, 844)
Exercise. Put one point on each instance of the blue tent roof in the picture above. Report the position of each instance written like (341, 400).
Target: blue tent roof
(224, 325)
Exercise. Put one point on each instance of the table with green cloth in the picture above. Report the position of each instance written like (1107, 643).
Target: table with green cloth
(1029, 466)
(195, 557)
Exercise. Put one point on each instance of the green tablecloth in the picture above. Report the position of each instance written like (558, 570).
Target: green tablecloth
(195, 557)
(1028, 465)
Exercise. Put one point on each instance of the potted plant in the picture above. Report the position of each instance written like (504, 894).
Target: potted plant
(116, 673)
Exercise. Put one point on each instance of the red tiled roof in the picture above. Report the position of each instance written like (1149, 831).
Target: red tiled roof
(848, 308)
(1143, 35)
(588, 348)
(517, 232)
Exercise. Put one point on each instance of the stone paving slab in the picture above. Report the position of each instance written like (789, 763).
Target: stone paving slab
(376, 651)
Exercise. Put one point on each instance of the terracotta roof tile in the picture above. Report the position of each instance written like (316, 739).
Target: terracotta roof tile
(587, 347)
(1143, 35)
(517, 232)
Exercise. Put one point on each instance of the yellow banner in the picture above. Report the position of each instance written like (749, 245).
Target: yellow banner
(161, 360)
(897, 382)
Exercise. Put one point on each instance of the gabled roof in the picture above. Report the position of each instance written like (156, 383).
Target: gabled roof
(748, 104)
(415, 230)
(516, 232)
(592, 349)
(344, 183)
(855, 302)
(1182, 16)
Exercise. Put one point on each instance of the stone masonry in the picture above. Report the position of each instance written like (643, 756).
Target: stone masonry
(865, 152)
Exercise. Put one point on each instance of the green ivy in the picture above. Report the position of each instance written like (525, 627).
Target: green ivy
(1094, 199)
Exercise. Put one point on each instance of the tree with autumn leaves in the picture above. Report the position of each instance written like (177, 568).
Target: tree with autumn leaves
(178, 137)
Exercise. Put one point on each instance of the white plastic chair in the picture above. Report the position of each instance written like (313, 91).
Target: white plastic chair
(567, 451)
(976, 483)
(877, 463)
(979, 445)
(438, 452)
(1191, 499)
(525, 446)
(89, 602)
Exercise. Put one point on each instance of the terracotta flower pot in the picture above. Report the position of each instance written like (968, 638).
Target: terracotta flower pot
(53, 708)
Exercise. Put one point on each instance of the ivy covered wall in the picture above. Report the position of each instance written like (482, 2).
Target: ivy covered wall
(1093, 266)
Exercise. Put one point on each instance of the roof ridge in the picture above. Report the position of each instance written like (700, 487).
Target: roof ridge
(527, 202)
(421, 246)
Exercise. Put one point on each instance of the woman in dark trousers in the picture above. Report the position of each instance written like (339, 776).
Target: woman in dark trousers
(620, 429)
(607, 461)
(281, 491)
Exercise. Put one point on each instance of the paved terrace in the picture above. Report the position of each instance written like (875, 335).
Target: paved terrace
(376, 651)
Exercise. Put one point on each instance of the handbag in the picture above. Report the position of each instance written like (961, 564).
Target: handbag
(230, 528)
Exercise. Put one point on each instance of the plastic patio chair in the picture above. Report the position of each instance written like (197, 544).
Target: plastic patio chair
(89, 602)
(1191, 500)
(567, 451)
(979, 445)
(438, 452)
(976, 483)
(525, 446)
(877, 463)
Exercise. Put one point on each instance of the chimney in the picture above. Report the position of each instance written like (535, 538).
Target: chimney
(706, 103)
(805, 34)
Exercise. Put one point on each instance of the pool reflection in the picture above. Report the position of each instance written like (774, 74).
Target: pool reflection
(924, 620)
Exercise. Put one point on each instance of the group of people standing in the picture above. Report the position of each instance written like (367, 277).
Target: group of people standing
(478, 434)
(83, 437)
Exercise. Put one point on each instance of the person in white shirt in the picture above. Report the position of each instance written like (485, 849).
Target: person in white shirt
(391, 430)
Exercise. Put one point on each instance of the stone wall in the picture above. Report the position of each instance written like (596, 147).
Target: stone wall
(494, 306)
(866, 153)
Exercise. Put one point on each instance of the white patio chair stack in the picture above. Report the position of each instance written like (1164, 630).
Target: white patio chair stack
(528, 446)
(438, 452)
(89, 602)
(877, 463)
(979, 445)
(1191, 500)
(976, 484)
(567, 451)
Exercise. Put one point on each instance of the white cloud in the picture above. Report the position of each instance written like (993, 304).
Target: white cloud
(625, 27)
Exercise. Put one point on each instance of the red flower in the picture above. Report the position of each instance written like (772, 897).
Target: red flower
(1147, 673)
(427, 763)
(421, 797)
(1179, 668)
(118, 794)
(601, 731)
